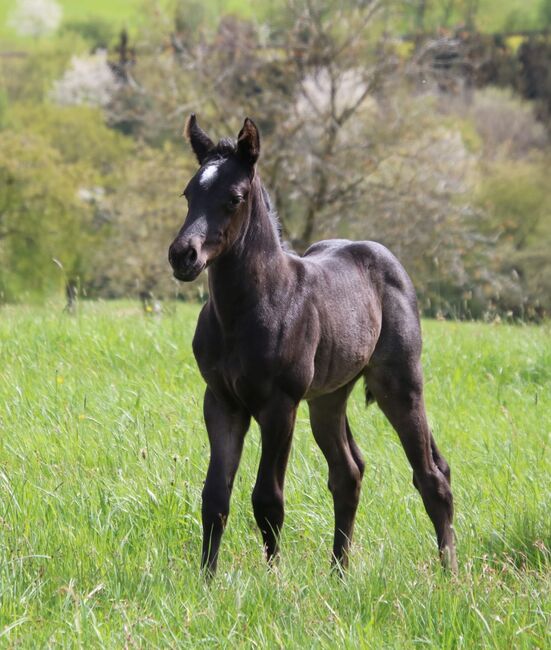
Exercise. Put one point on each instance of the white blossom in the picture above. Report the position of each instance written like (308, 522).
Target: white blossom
(88, 80)
(35, 17)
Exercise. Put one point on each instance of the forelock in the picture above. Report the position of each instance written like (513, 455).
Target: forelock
(224, 149)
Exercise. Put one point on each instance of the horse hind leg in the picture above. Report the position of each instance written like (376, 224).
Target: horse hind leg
(440, 462)
(277, 422)
(333, 435)
(398, 390)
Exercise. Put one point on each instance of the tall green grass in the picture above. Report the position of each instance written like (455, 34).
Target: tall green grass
(102, 458)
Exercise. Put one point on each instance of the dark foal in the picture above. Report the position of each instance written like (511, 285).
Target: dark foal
(279, 328)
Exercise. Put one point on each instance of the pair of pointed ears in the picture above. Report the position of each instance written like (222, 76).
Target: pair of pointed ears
(248, 141)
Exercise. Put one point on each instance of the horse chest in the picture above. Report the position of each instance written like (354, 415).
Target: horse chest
(247, 377)
(258, 358)
(233, 366)
(252, 374)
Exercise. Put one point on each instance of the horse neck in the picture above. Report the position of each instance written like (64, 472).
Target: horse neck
(242, 276)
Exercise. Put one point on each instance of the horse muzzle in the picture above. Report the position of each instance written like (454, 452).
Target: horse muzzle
(185, 259)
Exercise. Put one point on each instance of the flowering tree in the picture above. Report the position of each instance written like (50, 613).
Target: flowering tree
(36, 17)
(89, 80)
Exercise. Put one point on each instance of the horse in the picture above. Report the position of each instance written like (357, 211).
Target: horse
(279, 328)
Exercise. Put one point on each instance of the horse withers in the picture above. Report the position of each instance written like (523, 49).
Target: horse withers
(278, 328)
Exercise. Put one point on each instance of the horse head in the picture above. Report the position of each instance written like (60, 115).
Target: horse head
(217, 197)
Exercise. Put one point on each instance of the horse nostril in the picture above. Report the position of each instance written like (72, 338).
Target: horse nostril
(182, 255)
(190, 256)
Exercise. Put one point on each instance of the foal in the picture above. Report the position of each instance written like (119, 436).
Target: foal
(279, 328)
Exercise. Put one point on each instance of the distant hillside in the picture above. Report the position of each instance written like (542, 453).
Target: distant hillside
(491, 15)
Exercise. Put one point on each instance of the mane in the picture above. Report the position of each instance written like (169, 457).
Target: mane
(274, 217)
(228, 147)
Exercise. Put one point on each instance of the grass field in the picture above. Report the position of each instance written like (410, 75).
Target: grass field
(102, 458)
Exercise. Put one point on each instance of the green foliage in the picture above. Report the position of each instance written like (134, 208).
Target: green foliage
(456, 189)
(79, 192)
(516, 198)
(78, 14)
(104, 454)
(490, 16)
(41, 216)
(97, 20)
(56, 165)
(545, 12)
(145, 211)
(79, 133)
(30, 77)
(3, 107)
(98, 32)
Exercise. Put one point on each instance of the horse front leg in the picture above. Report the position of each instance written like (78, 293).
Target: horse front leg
(226, 427)
(276, 422)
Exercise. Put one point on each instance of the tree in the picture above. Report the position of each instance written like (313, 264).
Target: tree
(42, 217)
(515, 196)
(89, 81)
(57, 166)
(347, 147)
(143, 219)
(545, 13)
(306, 84)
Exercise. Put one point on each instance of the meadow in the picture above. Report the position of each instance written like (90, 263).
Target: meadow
(102, 458)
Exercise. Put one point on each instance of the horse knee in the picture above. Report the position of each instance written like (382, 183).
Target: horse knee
(440, 461)
(268, 508)
(444, 468)
(345, 483)
(435, 486)
(215, 508)
(360, 464)
(356, 454)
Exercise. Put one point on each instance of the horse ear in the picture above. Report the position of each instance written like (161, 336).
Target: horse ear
(248, 142)
(199, 140)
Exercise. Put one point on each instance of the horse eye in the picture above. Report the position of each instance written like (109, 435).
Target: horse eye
(235, 200)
